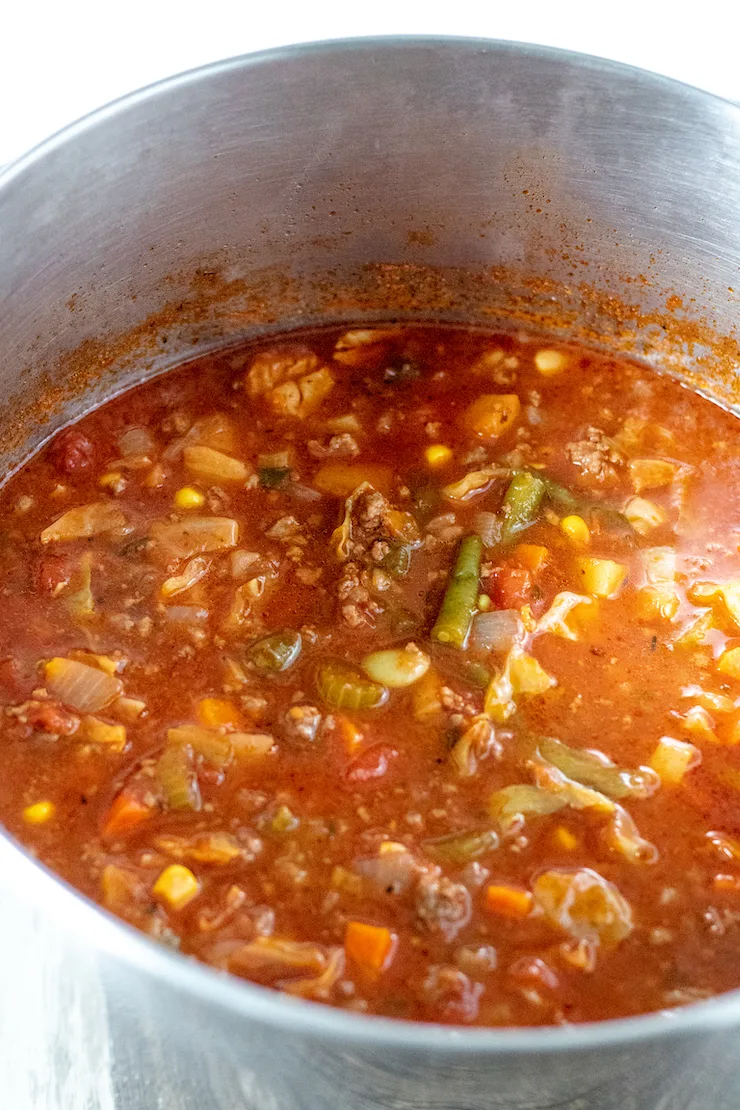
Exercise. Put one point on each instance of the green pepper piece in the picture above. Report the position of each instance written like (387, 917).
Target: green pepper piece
(276, 652)
(464, 847)
(397, 561)
(342, 687)
(564, 500)
(273, 477)
(521, 503)
(178, 780)
(476, 674)
(459, 602)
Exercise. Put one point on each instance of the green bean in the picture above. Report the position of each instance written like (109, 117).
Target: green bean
(564, 499)
(521, 503)
(476, 674)
(275, 653)
(342, 687)
(462, 848)
(459, 602)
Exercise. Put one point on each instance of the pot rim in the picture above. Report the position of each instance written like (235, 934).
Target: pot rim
(54, 896)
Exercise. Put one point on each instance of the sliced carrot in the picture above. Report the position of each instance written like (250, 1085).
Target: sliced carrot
(531, 555)
(727, 884)
(340, 478)
(371, 947)
(349, 732)
(124, 816)
(508, 901)
(220, 713)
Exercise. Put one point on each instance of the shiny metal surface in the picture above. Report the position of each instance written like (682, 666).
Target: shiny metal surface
(331, 157)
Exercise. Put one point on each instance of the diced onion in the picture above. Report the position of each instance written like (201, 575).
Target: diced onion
(194, 536)
(86, 689)
(185, 614)
(497, 630)
(136, 441)
(488, 527)
(192, 573)
(85, 521)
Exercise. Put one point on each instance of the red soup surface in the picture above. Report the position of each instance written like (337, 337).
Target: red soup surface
(396, 668)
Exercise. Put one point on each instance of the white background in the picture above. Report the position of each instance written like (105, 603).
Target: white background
(59, 60)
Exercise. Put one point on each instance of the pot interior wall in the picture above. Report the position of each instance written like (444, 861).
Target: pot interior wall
(456, 180)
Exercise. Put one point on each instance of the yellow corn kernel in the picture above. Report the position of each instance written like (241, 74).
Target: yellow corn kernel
(601, 577)
(550, 362)
(729, 662)
(39, 813)
(177, 885)
(484, 603)
(565, 839)
(438, 454)
(189, 498)
(576, 530)
(673, 758)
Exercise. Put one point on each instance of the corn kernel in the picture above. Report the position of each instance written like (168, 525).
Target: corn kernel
(484, 603)
(438, 454)
(39, 813)
(189, 498)
(576, 530)
(177, 885)
(550, 362)
(565, 839)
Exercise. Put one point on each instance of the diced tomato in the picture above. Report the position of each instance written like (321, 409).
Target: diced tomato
(54, 572)
(371, 764)
(73, 451)
(49, 716)
(10, 678)
(513, 586)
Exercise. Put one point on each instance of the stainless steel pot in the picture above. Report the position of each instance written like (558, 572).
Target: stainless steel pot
(449, 179)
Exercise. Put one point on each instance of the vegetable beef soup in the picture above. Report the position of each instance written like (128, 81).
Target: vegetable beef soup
(397, 669)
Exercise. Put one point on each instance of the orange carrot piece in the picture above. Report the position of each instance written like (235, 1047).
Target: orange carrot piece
(727, 884)
(371, 947)
(350, 733)
(531, 556)
(508, 901)
(341, 478)
(220, 713)
(124, 816)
